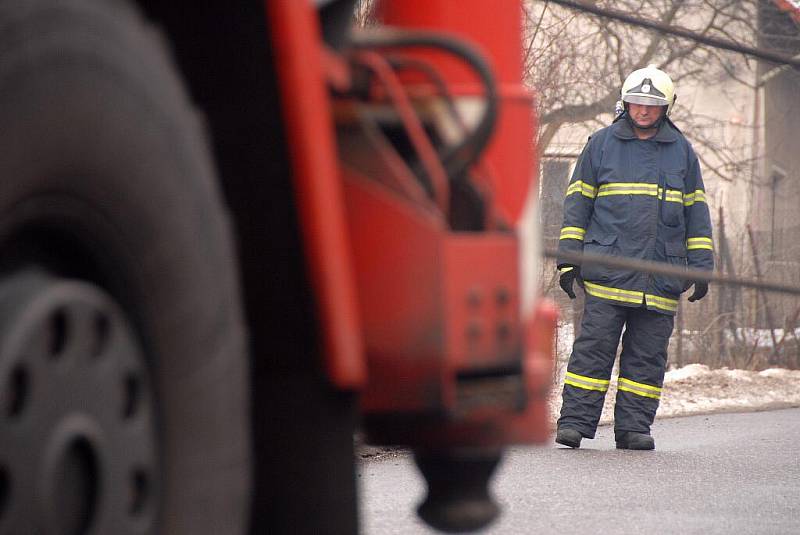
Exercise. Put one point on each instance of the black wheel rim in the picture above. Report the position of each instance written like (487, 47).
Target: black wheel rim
(79, 450)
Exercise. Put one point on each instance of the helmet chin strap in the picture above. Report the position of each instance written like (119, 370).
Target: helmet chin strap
(653, 126)
(656, 124)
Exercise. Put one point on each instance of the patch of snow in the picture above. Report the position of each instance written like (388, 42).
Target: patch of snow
(690, 370)
(741, 375)
(566, 337)
(778, 372)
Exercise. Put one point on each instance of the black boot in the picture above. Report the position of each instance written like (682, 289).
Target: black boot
(628, 440)
(569, 437)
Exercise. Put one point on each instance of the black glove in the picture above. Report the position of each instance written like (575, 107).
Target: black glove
(700, 291)
(568, 275)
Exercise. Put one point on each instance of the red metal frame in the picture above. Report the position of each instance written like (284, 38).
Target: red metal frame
(438, 306)
(413, 125)
(423, 320)
(496, 28)
(306, 107)
(451, 362)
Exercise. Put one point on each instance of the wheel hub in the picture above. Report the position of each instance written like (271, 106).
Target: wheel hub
(78, 449)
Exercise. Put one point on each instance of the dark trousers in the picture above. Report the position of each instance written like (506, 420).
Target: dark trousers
(641, 370)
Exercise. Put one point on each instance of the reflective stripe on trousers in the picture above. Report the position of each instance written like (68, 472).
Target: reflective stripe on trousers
(642, 365)
(587, 383)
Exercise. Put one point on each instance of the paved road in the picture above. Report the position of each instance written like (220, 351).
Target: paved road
(724, 473)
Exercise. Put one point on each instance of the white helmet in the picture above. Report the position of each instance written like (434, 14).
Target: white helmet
(649, 86)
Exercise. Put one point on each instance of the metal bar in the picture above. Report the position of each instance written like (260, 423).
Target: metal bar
(767, 309)
(679, 320)
(659, 268)
(309, 132)
(722, 248)
(570, 155)
(434, 169)
(760, 53)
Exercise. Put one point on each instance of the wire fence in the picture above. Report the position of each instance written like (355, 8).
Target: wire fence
(742, 323)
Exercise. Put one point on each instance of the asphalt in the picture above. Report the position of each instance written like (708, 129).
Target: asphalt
(721, 473)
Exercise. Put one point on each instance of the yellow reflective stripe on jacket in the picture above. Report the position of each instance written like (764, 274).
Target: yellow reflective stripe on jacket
(672, 195)
(640, 389)
(627, 188)
(639, 188)
(699, 243)
(587, 383)
(579, 186)
(614, 294)
(631, 296)
(664, 303)
(691, 198)
(572, 233)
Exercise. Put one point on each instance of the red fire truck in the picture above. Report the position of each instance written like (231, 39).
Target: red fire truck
(235, 234)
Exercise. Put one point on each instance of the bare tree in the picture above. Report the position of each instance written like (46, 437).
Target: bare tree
(577, 63)
(363, 14)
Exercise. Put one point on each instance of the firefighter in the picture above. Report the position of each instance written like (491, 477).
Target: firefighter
(636, 192)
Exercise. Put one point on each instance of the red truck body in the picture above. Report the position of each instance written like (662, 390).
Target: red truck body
(278, 232)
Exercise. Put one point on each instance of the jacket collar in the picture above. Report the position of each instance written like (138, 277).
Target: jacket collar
(666, 132)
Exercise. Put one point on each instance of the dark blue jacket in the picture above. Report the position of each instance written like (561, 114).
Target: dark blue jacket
(640, 199)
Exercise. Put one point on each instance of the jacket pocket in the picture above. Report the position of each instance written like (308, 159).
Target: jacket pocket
(599, 244)
(676, 256)
(672, 199)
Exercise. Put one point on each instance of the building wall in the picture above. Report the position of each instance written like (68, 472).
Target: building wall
(776, 214)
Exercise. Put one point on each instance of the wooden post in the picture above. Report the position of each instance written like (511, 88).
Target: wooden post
(763, 295)
(733, 300)
(719, 336)
(679, 350)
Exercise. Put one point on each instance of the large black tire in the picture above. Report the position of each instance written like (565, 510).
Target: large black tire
(105, 176)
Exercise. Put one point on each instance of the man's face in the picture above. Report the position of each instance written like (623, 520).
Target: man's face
(644, 116)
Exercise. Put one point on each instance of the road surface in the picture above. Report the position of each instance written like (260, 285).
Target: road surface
(723, 473)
